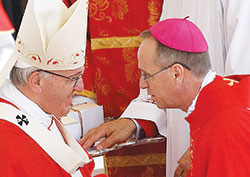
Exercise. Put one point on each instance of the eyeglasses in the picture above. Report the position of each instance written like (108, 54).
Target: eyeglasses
(72, 79)
(145, 77)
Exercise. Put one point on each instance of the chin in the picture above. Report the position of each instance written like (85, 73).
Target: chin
(161, 106)
(66, 110)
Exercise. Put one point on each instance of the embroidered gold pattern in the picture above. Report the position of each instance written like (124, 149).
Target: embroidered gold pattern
(191, 154)
(115, 42)
(119, 9)
(103, 33)
(103, 60)
(154, 9)
(97, 8)
(136, 160)
(132, 74)
(132, 31)
(231, 81)
(102, 83)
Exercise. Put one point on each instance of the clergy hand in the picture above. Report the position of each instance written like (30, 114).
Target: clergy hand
(115, 131)
(184, 165)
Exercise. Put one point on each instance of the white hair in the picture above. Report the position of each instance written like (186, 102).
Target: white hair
(20, 76)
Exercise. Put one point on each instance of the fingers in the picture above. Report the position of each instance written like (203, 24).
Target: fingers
(185, 172)
(115, 131)
(92, 136)
(108, 142)
(178, 171)
(184, 165)
(122, 130)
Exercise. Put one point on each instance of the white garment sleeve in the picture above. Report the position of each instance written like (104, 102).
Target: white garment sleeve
(143, 108)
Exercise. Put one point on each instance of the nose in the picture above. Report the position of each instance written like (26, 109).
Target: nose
(143, 84)
(79, 85)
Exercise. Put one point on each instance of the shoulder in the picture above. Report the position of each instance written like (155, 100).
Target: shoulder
(22, 153)
(13, 140)
(229, 124)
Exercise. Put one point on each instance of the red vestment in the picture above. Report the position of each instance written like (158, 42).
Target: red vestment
(21, 156)
(220, 130)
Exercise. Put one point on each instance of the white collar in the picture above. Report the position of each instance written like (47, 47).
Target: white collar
(210, 76)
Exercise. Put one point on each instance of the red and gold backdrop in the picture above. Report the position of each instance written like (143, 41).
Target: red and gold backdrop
(112, 76)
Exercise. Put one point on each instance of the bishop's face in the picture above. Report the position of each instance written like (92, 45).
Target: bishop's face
(160, 86)
(58, 92)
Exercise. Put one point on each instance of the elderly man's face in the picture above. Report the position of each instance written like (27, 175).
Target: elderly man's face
(160, 86)
(58, 92)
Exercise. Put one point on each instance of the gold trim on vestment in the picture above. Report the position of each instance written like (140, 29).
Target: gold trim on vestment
(87, 93)
(135, 160)
(231, 81)
(115, 42)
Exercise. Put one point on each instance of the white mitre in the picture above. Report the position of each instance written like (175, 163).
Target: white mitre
(51, 37)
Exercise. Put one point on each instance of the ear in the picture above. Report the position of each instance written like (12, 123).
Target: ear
(178, 73)
(35, 82)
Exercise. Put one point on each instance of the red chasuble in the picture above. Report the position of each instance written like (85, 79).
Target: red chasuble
(21, 156)
(220, 130)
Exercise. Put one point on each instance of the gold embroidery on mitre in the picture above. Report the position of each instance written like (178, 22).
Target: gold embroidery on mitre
(154, 12)
(132, 74)
(115, 42)
(231, 81)
(136, 160)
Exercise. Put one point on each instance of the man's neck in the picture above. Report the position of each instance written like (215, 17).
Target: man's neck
(192, 89)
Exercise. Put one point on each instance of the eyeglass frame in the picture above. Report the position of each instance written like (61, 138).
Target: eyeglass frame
(165, 68)
(75, 79)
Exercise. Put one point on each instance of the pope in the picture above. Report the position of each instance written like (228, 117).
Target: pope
(37, 86)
